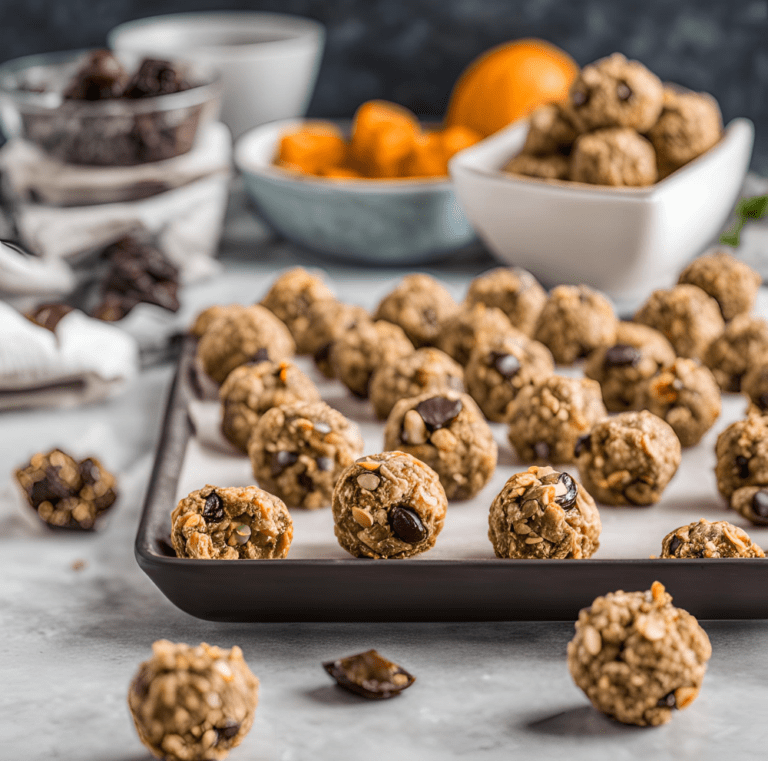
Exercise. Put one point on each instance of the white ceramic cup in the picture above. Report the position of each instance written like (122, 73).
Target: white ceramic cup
(268, 62)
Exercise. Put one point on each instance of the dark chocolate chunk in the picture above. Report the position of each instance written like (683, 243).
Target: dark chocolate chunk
(567, 500)
(89, 471)
(674, 543)
(407, 525)
(623, 91)
(583, 444)
(668, 701)
(370, 675)
(323, 354)
(261, 355)
(213, 511)
(762, 401)
(282, 460)
(227, 729)
(507, 365)
(325, 463)
(622, 355)
(155, 77)
(101, 76)
(438, 411)
(760, 504)
(305, 481)
(579, 98)
(541, 450)
(742, 464)
(49, 489)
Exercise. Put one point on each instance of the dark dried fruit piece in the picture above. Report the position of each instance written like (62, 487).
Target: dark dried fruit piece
(282, 460)
(568, 499)
(100, 77)
(305, 481)
(323, 354)
(668, 701)
(507, 365)
(742, 464)
(261, 355)
(227, 729)
(622, 355)
(583, 444)
(438, 412)
(623, 91)
(674, 544)
(370, 675)
(325, 463)
(760, 504)
(762, 401)
(406, 525)
(213, 511)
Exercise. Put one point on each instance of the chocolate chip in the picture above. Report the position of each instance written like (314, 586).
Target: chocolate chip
(325, 463)
(282, 460)
(322, 427)
(760, 504)
(407, 525)
(668, 701)
(579, 98)
(305, 481)
(89, 471)
(370, 675)
(583, 444)
(155, 77)
(622, 355)
(674, 543)
(438, 411)
(762, 401)
(541, 450)
(624, 91)
(261, 355)
(742, 463)
(323, 354)
(213, 511)
(567, 500)
(228, 729)
(507, 365)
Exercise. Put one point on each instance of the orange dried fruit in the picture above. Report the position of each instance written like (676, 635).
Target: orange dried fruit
(312, 148)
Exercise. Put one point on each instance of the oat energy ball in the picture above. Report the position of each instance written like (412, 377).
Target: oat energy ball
(388, 505)
(637, 657)
(448, 432)
(742, 455)
(252, 389)
(729, 281)
(67, 493)
(755, 385)
(615, 92)
(752, 503)
(193, 703)
(298, 450)
(290, 299)
(513, 290)
(358, 353)
(240, 335)
(419, 305)
(575, 320)
(547, 420)
(422, 370)
(690, 124)
(616, 156)
(472, 326)
(686, 315)
(227, 523)
(621, 368)
(742, 345)
(330, 321)
(553, 166)
(685, 394)
(550, 130)
(495, 373)
(208, 316)
(628, 459)
(544, 514)
(705, 539)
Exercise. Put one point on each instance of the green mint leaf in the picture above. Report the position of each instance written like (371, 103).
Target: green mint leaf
(755, 207)
(730, 238)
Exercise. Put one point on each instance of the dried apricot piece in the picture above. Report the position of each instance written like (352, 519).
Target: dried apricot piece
(312, 148)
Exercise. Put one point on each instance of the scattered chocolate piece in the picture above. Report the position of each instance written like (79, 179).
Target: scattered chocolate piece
(673, 545)
(282, 460)
(370, 675)
(407, 525)
(760, 504)
(213, 511)
(439, 411)
(507, 365)
(742, 463)
(49, 315)
(622, 355)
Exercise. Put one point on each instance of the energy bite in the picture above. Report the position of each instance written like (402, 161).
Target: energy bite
(688, 317)
(472, 326)
(553, 166)
(574, 321)
(705, 539)
(743, 344)
(616, 156)
(242, 334)
(637, 657)
(546, 420)
(228, 523)
(620, 368)
(423, 370)
(513, 290)
(193, 703)
(252, 389)
(330, 321)
(497, 371)
(742, 455)
(628, 459)
(448, 432)
(550, 130)
(685, 394)
(298, 450)
(752, 503)
(290, 299)
(208, 316)
(358, 353)
(388, 505)
(729, 281)
(544, 514)
(67, 493)
(419, 305)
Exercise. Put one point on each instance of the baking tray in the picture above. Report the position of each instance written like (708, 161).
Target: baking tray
(452, 582)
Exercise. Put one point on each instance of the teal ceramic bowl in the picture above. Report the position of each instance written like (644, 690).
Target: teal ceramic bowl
(385, 222)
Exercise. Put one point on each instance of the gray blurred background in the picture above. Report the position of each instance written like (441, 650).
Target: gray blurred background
(411, 51)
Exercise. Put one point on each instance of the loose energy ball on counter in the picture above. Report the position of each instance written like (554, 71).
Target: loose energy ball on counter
(686, 315)
(742, 345)
(419, 305)
(448, 432)
(252, 389)
(298, 451)
(193, 703)
(208, 316)
(637, 657)
(731, 282)
(620, 368)
(616, 156)
(423, 370)
(227, 523)
(628, 459)
(574, 321)
(547, 420)
(290, 299)
(742, 455)
(685, 394)
(553, 166)
(513, 290)
(542, 513)
(388, 505)
(359, 352)
(705, 539)
(497, 372)
(67, 493)
(752, 503)
(755, 385)
(242, 334)
(550, 131)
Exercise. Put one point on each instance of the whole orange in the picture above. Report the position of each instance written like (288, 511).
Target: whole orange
(508, 82)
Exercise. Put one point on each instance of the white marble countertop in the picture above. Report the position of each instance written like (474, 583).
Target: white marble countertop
(71, 639)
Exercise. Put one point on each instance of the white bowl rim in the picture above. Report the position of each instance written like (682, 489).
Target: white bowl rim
(297, 31)
(394, 185)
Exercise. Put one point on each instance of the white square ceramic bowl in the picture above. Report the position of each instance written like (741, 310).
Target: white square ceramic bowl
(623, 241)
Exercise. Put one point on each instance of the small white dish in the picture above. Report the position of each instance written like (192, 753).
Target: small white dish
(623, 241)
